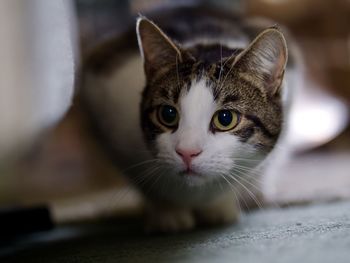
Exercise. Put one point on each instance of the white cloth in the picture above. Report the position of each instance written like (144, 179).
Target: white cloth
(36, 68)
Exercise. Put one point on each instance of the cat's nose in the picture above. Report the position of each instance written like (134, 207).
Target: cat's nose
(188, 154)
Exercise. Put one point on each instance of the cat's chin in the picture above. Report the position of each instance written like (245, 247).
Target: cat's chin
(192, 178)
(189, 173)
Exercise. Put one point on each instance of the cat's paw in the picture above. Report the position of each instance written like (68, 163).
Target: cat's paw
(217, 217)
(169, 220)
(224, 211)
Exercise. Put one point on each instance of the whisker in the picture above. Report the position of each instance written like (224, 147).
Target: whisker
(147, 175)
(251, 177)
(248, 171)
(254, 170)
(248, 160)
(119, 195)
(177, 73)
(248, 191)
(165, 183)
(242, 177)
(159, 175)
(245, 178)
(220, 63)
(222, 84)
(137, 180)
(233, 189)
(140, 163)
(251, 193)
(249, 174)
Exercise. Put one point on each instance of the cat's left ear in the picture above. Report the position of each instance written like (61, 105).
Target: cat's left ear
(263, 63)
(157, 49)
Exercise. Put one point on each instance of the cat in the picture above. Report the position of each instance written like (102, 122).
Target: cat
(191, 108)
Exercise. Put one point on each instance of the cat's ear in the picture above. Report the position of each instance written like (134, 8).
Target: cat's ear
(264, 61)
(156, 47)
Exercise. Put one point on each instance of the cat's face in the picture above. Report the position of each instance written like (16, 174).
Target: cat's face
(207, 119)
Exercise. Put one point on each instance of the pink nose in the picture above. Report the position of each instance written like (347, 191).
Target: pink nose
(188, 154)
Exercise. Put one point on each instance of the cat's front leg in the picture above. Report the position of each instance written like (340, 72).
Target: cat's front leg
(222, 210)
(163, 218)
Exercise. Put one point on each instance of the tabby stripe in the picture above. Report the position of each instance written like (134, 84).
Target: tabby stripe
(259, 124)
(230, 98)
(245, 133)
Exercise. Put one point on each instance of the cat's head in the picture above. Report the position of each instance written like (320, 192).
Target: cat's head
(205, 118)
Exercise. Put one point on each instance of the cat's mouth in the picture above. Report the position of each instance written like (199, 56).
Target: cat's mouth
(191, 177)
(189, 172)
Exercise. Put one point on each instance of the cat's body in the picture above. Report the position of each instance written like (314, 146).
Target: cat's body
(194, 70)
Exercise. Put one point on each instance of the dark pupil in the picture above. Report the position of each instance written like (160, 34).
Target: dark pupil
(225, 117)
(169, 114)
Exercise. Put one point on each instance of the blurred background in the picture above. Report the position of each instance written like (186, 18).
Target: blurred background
(48, 156)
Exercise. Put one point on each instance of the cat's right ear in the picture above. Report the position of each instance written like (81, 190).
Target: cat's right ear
(157, 50)
(264, 61)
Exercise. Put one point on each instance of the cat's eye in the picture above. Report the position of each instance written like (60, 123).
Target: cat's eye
(225, 120)
(168, 116)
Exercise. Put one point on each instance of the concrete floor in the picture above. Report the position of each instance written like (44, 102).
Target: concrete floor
(315, 233)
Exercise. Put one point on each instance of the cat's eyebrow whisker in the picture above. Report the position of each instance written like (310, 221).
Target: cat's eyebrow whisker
(177, 73)
(220, 63)
(227, 74)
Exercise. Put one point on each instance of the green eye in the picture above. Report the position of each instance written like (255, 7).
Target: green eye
(224, 120)
(168, 116)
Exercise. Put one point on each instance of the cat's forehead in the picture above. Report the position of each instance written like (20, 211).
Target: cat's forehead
(198, 97)
(202, 77)
(211, 65)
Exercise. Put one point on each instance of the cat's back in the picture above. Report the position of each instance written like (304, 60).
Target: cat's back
(186, 26)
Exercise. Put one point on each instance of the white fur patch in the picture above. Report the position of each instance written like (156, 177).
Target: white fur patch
(219, 150)
(197, 109)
